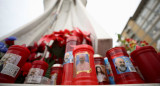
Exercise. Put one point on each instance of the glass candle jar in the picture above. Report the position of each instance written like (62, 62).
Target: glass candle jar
(12, 62)
(123, 69)
(37, 72)
(100, 70)
(84, 67)
(148, 63)
(56, 74)
(67, 77)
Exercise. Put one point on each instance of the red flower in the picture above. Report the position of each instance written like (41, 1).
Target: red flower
(32, 57)
(137, 46)
(26, 67)
(61, 36)
(41, 47)
(9, 42)
(128, 40)
(47, 38)
(77, 33)
(143, 43)
(82, 35)
(33, 48)
(59, 61)
(42, 59)
(54, 57)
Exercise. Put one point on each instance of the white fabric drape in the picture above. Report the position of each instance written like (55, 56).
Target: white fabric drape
(59, 15)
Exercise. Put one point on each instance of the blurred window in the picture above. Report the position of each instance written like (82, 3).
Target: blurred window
(155, 30)
(158, 44)
(140, 20)
(145, 13)
(151, 3)
(157, 9)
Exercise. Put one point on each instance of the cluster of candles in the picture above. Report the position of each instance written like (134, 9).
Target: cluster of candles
(82, 67)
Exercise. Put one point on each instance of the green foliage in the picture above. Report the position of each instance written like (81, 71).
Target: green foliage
(119, 37)
(55, 50)
(49, 69)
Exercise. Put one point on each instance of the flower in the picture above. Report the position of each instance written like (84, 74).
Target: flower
(4, 49)
(41, 47)
(128, 39)
(143, 43)
(61, 36)
(137, 46)
(34, 48)
(82, 35)
(25, 68)
(10, 40)
(2, 44)
(32, 57)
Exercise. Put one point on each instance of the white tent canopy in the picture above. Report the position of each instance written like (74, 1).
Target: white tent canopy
(59, 15)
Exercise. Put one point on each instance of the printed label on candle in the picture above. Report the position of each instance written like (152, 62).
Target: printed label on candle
(82, 63)
(34, 75)
(68, 57)
(8, 64)
(54, 78)
(123, 65)
(101, 73)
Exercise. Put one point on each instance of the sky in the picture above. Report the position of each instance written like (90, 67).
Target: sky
(111, 15)
(16, 13)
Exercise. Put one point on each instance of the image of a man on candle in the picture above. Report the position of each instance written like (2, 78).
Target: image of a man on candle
(120, 65)
(82, 63)
(66, 58)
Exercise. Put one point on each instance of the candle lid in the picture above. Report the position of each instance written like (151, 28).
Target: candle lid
(141, 50)
(40, 62)
(83, 46)
(57, 65)
(21, 48)
(97, 56)
(72, 38)
(116, 50)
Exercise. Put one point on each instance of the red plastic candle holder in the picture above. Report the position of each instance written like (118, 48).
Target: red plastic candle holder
(148, 63)
(12, 62)
(37, 72)
(56, 74)
(84, 72)
(101, 70)
(123, 69)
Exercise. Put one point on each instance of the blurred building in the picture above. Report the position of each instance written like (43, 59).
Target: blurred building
(145, 23)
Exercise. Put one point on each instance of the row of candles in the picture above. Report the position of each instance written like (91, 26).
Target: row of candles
(82, 67)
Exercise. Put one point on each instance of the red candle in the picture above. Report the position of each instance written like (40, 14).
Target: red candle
(67, 77)
(100, 70)
(12, 62)
(84, 67)
(37, 72)
(56, 74)
(123, 70)
(148, 63)
(137, 69)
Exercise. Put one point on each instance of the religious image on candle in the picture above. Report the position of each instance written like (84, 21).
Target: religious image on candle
(101, 73)
(82, 63)
(8, 64)
(34, 75)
